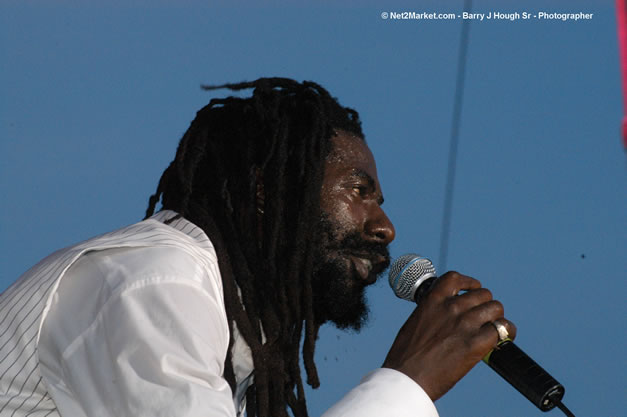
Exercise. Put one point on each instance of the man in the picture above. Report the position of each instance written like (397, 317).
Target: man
(271, 226)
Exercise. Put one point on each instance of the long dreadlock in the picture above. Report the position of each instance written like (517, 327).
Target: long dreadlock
(277, 141)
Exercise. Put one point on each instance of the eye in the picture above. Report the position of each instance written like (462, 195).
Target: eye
(360, 189)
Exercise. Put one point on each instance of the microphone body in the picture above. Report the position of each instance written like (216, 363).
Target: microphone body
(411, 276)
(524, 374)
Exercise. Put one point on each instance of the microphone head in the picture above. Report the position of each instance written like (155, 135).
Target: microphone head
(408, 272)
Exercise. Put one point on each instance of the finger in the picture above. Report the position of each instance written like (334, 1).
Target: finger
(452, 283)
(489, 330)
(483, 314)
(511, 328)
(470, 299)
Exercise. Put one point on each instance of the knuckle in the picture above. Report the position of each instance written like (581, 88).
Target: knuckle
(480, 295)
(487, 294)
(476, 343)
(449, 278)
(468, 325)
(446, 283)
(452, 306)
(497, 308)
(455, 277)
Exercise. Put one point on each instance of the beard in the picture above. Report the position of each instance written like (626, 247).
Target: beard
(339, 292)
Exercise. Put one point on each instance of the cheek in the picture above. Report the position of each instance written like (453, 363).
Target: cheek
(345, 215)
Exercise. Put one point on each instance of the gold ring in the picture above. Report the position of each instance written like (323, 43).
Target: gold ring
(501, 329)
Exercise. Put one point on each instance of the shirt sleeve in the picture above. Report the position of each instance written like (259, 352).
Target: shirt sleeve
(384, 392)
(137, 332)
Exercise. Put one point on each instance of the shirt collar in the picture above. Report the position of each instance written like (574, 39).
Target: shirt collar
(184, 226)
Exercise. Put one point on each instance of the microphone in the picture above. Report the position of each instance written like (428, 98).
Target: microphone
(411, 276)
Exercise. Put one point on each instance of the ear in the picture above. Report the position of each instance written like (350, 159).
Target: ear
(260, 199)
(260, 193)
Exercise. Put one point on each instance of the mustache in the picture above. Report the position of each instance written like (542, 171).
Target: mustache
(354, 244)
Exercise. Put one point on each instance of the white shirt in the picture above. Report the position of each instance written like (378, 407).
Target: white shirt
(141, 330)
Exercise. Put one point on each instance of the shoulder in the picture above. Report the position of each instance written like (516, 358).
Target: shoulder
(143, 279)
(148, 249)
(158, 296)
(120, 268)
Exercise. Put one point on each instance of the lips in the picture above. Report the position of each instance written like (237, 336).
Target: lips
(365, 264)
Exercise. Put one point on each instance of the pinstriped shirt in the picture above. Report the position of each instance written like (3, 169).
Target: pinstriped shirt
(132, 323)
(40, 352)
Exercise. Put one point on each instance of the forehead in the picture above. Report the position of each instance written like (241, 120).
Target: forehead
(350, 153)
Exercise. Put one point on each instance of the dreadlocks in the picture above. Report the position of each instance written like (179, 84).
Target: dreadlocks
(272, 144)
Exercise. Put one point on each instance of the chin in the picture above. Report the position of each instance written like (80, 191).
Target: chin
(353, 322)
(339, 297)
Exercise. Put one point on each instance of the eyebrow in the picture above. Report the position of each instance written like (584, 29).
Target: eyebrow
(360, 173)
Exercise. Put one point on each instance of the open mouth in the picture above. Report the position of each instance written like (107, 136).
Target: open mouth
(368, 266)
(362, 266)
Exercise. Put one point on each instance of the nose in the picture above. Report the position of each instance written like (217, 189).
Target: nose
(379, 227)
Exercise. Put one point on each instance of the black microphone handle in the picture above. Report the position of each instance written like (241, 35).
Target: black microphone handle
(516, 367)
(524, 374)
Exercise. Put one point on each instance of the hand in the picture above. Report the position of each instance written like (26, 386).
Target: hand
(447, 334)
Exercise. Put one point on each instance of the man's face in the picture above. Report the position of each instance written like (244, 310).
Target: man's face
(354, 231)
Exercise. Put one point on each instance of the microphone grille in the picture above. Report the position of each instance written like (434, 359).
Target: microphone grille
(407, 272)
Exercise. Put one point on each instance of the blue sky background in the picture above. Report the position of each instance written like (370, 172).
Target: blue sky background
(93, 100)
